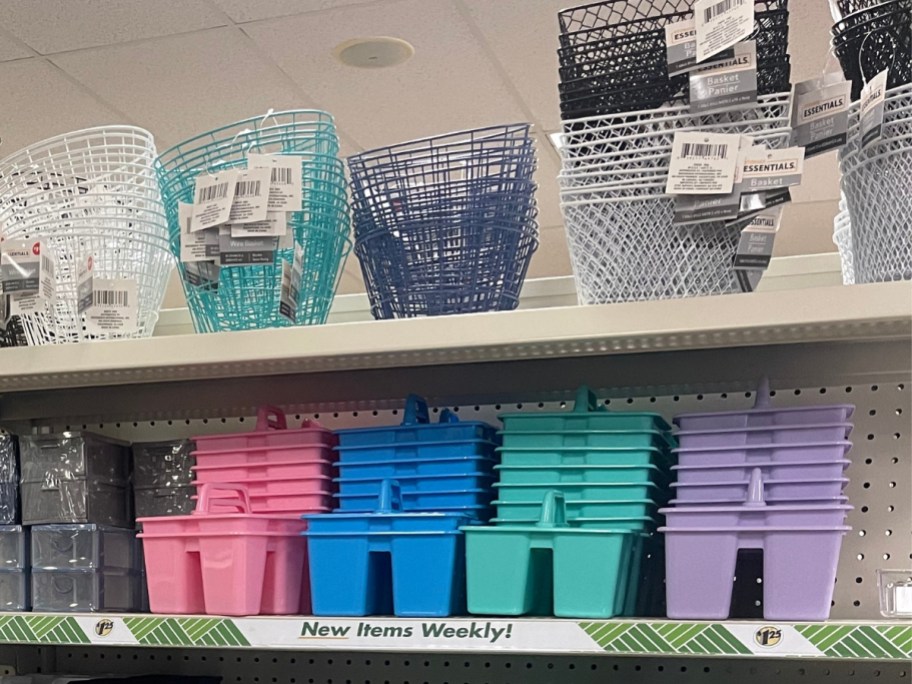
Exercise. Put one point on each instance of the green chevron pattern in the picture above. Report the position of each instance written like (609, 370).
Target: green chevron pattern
(45, 629)
(877, 642)
(664, 638)
(153, 631)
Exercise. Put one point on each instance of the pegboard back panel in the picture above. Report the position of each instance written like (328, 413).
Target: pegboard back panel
(881, 472)
(252, 667)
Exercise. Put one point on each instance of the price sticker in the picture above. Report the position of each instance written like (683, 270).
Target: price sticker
(213, 198)
(720, 24)
(286, 182)
(703, 163)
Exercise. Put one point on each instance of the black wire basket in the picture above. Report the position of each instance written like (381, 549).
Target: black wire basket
(847, 7)
(873, 40)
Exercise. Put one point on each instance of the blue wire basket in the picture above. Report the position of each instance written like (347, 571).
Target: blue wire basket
(248, 297)
(446, 225)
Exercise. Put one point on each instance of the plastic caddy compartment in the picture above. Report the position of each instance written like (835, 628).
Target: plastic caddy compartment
(436, 467)
(221, 560)
(572, 474)
(75, 477)
(89, 194)
(248, 297)
(387, 562)
(549, 568)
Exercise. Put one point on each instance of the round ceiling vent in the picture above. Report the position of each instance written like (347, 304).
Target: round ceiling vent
(374, 53)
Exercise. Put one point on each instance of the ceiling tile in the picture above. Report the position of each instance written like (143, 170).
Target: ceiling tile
(10, 48)
(253, 10)
(447, 85)
(525, 43)
(34, 96)
(180, 86)
(58, 26)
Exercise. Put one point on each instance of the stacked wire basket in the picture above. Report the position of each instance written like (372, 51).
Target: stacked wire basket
(842, 238)
(248, 297)
(623, 243)
(613, 55)
(873, 236)
(446, 224)
(88, 194)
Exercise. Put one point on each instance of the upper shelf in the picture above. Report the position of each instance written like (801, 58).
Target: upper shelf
(416, 349)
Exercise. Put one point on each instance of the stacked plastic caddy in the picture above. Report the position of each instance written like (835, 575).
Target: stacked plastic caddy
(247, 483)
(763, 478)
(14, 568)
(404, 492)
(577, 501)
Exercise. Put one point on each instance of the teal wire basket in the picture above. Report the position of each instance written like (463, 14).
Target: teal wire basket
(248, 297)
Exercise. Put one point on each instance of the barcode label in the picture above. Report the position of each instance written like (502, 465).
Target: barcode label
(704, 151)
(115, 298)
(212, 193)
(281, 176)
(46, 264)
(722, 7)
(247, 189)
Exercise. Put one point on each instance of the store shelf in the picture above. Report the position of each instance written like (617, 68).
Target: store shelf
(644, 345)
(857, 640)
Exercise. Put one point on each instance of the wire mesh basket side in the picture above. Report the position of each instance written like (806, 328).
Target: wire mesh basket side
(89, 193)
(434, 269)
(248, 297)
(842, 238)
(629, 250)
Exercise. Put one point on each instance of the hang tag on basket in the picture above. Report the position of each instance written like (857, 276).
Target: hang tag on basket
(720, 24)
(286, 182)
(703, 163)
(873, 96)
(115, 307)
(213, 199)
(275, 225)
(203, 274)
(251, 197)
(291, 283)
(706, 208)
(726, 83)
(820, 114)
(245, 251)
(681, 47)
(199, 246)
(755, 248)
(4, 311)
(25, 265)
(85, 283)
(287, 240)
(772, 169)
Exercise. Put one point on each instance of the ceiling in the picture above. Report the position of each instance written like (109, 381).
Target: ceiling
(180, 67)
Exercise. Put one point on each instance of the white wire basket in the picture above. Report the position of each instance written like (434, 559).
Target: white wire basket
(89, 193)
(842, 238)
(877, 184)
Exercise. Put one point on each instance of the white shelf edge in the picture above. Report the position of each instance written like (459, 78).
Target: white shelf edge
(873, 640)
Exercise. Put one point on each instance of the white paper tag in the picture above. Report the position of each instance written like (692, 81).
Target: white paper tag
(199, 246)
(286, 183)
(755, 247)
(873, 96)
(251, 197)
(726, 83)
(275, 225)
(287, 240)
(21, 265)
(213, 199)
(772, 169)
(291, 284)
(115, 307)
(720, 24)
(85, 283)
(245, 251)
(703, 163)
(820, 114)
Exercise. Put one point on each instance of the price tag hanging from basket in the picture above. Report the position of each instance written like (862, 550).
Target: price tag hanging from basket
(755, 248)
(820, 113)
(871, 109)
(213, 198)
(720, 24)
(115, 307)
(726, 83)
(703, 163)
(28, 275)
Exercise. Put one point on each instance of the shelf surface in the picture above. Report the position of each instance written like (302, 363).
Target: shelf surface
(866, 312)
(843, 640)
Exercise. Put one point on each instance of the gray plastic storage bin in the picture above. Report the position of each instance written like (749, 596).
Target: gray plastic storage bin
(84, 591)
(9, 481)
(96, 547)
(154, 502)
(75, 477)
(14, 590)
(163, 464)
(14, 548)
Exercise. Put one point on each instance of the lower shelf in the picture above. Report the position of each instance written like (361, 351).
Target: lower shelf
(844, 640)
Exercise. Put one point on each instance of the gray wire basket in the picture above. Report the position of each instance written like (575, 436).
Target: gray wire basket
(876, 182)
(842, 238)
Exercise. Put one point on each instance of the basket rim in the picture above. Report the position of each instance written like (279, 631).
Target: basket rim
(77, 134)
